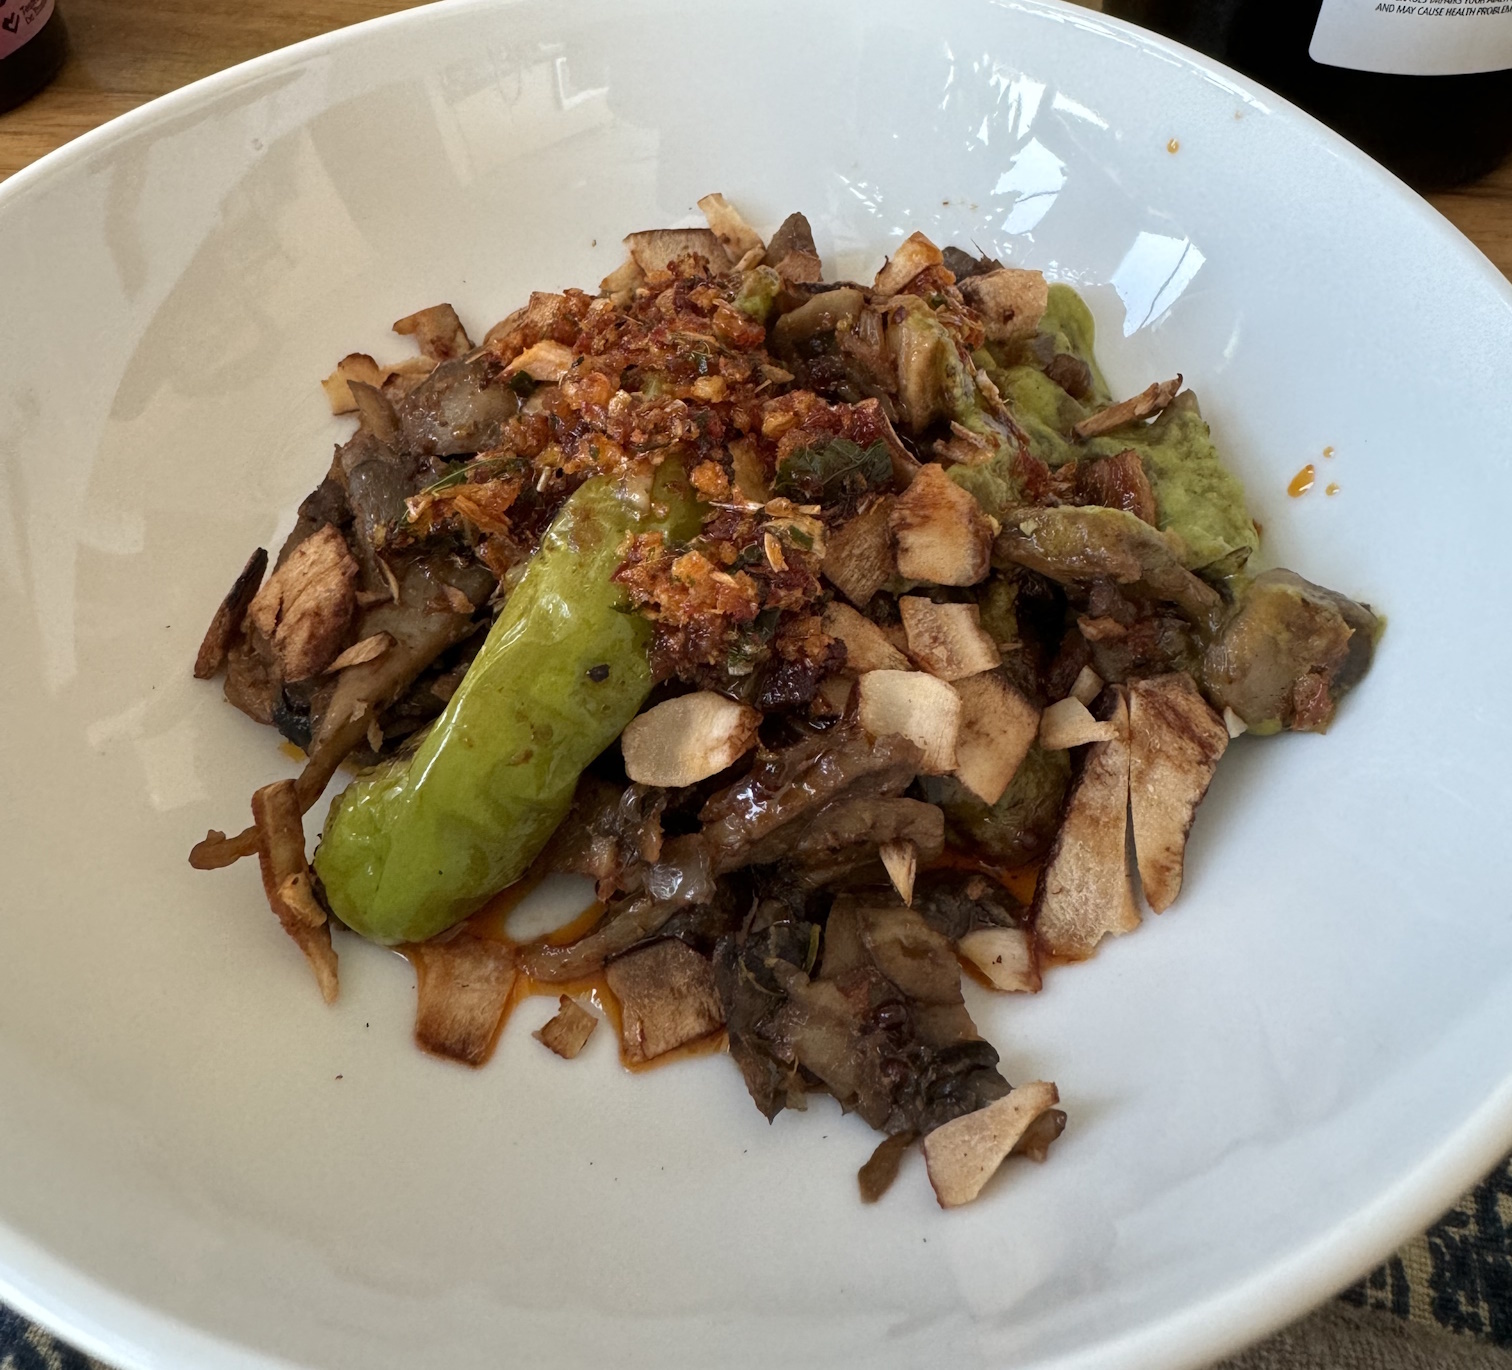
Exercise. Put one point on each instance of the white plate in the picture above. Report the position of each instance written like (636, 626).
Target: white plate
(202, 1166)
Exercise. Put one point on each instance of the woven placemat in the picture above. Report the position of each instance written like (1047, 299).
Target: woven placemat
(1443, 1302)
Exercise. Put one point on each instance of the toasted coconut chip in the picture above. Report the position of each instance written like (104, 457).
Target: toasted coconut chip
(307, 605)
(965, 1153)
(913, 705)
(998, 727)
(1084, 891)
(866, 645)
(1006, 956)
(667, 999)
(684, 740)
(1087, 686)
(1011, 302)
(657, 248)
(942, 535)
(1149, 401)
(355, 366)
(947, 639)
(437, 331)
(567, 1033)
(368, 649)
(1035, 1144)
(901, 861)
(964, 447)
(859, 556)
(228, 617)
(877, 1175)
(914, 253)
(1236, 726)
(547, 362)
(619, 285)
(1175, 742)
(279, 833)
(738, 237)
(1069, 723)
(464, 986)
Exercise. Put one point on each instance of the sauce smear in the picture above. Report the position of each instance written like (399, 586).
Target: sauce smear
(1302, 482)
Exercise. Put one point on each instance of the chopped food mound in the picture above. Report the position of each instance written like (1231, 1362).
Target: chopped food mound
(840, 634)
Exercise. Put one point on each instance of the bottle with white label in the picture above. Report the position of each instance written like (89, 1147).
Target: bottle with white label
(1425, 88)
(33, 44)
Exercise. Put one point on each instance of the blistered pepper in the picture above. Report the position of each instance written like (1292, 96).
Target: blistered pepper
(417, 843)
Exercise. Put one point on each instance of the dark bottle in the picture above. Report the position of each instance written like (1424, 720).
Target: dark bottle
(1425, 88)
(33, 44)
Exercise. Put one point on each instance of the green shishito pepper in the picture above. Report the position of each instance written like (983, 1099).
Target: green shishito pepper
(417, 843)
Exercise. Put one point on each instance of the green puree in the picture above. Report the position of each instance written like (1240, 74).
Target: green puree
(1196, 497)
(421, 841)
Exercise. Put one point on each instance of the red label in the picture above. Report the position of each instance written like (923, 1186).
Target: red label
(21, 20)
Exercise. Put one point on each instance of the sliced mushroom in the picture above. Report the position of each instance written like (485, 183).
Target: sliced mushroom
(866, 645)
(1069, 723)
(1149, 401)
(876, 1176)
(355, 366)
(546, 362)
(737, 236)
(1175, 742)
(947, 639)
(1011, 302)
(228, 617)
(859, 556)
(963, 1154)
(657, 248)
(1084, 891)
(998, 727)
(464, 986)
(568, 1031)
(792, 252)
(914, 254)
(619, 285)
(667, 999)
(286, 880)
(913, 705)
(307, 605)
(942, 535)
(437, 332)
(684, 740)
(1005, 956)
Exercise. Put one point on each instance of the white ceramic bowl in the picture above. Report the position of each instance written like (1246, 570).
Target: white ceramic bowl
(202, 1166)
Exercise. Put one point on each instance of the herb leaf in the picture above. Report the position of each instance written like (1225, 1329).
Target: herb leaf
(834, 470)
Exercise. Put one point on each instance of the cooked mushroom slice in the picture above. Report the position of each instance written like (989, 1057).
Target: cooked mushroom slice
(307, 605)
(464, 986)
(914, 254)
(942, 535)
(1011, 302)
(369, 649)
(546, 362)
(859, 556)
(1069, 723)
(792, 252)
(901, 860)
(737, 236)
(998, 726)
(286, 880)
(876, 1177)
(568, 1031)
(947, 639)
(437, 332)
(1084, 891)
(1035, 1144)
(1074, 543)
(913, 705)
(1149, 401)
(657, 248)
(1005, 956)
(963, 1154)
(1175, 740)
(355, 366)
(866, 645)
(619, 285)
(684, 740)
(228, 617)
(1119, 482)
(667, 999)
(1288, 653)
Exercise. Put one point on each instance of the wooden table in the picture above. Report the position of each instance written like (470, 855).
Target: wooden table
(125, 53)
